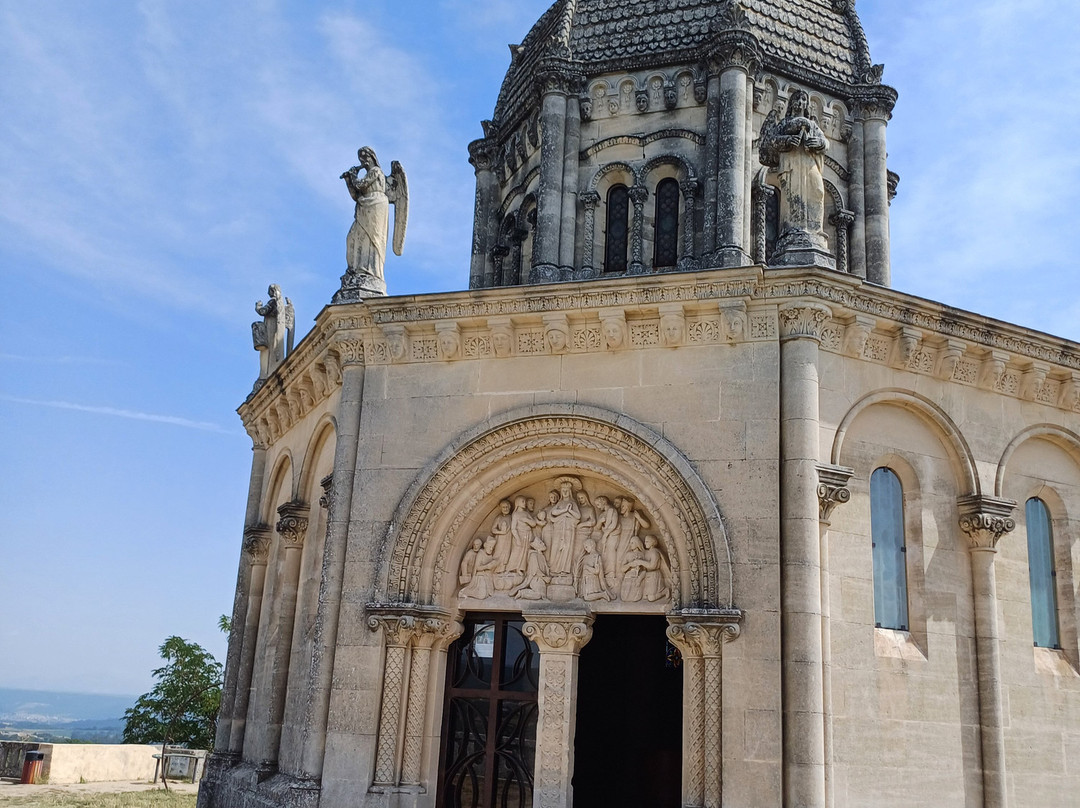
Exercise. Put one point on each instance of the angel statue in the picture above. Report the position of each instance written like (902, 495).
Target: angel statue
(365, 247)
(794, 148)
(273, 337)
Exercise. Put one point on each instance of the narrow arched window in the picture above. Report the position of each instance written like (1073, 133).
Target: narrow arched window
(666, 253)
(618, 229)
(1042, 574)
(890, 550)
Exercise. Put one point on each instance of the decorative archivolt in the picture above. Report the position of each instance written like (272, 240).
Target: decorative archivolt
(438, 520)
(641, 141)
(956, 446)
(1066, 439)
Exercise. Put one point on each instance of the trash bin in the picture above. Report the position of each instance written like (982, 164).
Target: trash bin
(31, 770)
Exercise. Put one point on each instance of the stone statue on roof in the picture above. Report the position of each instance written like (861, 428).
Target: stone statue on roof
(365, 250)
(273, 337)
(794, 148)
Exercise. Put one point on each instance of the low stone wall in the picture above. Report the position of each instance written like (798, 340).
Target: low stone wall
(76, 762)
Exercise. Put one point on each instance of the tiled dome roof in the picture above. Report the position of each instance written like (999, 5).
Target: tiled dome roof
(818, 37)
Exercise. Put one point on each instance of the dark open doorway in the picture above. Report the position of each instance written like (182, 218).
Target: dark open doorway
(628, 746)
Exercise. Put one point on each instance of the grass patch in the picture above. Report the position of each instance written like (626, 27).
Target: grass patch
(134, 799)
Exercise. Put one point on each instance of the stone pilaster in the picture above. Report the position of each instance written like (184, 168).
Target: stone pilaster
(842, 221)
(591, 200)
(712, 155)
(984, 520)
(801, 324)
(832, 491)
(857, 196)
(560, 638)
(689, 188)
(570, 164)
(256, 554)
(700, 638)
(337, 499)
(638, 196)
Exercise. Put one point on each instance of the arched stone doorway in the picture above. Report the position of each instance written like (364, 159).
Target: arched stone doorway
(554, 519)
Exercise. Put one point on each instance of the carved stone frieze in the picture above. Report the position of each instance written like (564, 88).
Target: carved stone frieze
(572, 544)
(832, 489)
(985, 519)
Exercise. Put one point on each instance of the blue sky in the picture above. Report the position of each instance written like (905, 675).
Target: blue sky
(162, 162)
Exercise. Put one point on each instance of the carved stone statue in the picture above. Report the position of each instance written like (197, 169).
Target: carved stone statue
(521, 532)
(794, 147)
(633, 569)
(534, 586)
(482, 584)
(273, 337)
(590, 575)
(365, 250)
(564, 516)
(657, 571)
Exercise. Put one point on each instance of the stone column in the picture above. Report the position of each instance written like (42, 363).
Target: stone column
(292, 528)
(842, 221)
(712, 153)
(689, 189)
(481, 155)
(638, 196)
(857, 195)
(591, 200)
(397, 629)
(876, 112)
(240, 606)
(433, 635)
(832, 491)
(735, 58)
(700, 638)
(554, 85)
(801, 323)
(570, 164)
(985, 520)
(560, 638)
(256, 553)
(338, 501)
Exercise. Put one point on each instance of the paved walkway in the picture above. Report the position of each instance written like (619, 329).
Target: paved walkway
(11, 788)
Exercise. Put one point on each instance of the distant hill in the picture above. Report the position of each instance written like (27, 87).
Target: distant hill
(49, 715)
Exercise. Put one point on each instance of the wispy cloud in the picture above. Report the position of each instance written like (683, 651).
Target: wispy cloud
(134, 415)
(58, 360)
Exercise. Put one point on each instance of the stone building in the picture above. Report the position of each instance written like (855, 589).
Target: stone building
(680, 504)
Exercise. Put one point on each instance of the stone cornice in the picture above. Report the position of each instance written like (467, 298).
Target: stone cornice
(985, 520)
(868, 322)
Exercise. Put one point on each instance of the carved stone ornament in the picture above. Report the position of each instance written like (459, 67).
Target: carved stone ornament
(803, 320)
(564, 541)
(985, 520)
(293, 523)
(832, 489)
(257, 543)
(558, 633)
(273, 337)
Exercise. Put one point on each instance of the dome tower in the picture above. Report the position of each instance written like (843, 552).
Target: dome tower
(641, 136)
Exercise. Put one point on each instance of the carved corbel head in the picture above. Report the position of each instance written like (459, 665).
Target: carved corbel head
(502, 335)
(613, 327)
(672, 324)
(397, 341)
(992, 369)
(556, 333)
(905, 344)
(1069, 394)
(948, 356)
(1034, 379)
(448, 338)
(733, 321)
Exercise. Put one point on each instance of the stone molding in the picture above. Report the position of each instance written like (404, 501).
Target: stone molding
(868, 323)
(985, 519)
(293, 523)
(832, 489)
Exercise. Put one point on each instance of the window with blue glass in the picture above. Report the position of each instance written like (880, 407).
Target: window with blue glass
(890, 550)
(1042, 574)
(618, 229)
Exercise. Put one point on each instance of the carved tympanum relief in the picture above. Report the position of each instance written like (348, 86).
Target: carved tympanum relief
(567, 539)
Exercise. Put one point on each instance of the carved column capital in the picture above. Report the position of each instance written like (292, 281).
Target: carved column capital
(293, 523)
(689, 188)
(397, 627)
(639, 195)
(803, 319)
(558, 633)
(327, 485)
(704, 633)
(590, 199)
(832, 489)
(875, 104)
(985, 520)
(349, 349)
(482, 155)
(842, 218)
(257, 544)
(558, 76)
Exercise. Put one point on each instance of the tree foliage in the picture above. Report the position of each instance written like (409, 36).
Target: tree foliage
(182, 707)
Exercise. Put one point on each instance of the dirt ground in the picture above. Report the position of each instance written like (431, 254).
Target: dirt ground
(123, 794)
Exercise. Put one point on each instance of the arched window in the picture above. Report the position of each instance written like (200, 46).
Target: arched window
(890, 550)
(618, 229)
(1042, 574)
(666, 253)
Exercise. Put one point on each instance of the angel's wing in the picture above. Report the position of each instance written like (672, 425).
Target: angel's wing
(397, 191)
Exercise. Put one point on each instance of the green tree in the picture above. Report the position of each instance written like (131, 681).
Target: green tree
(182, 708)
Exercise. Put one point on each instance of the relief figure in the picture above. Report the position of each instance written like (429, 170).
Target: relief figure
(521, 533)
(607, 526)
(468, 562)
(585, 524)
(657, 571)
(482, 585)
(629, 522)
(633, 568)
(564, 515)
(534, 587)
(590, 575)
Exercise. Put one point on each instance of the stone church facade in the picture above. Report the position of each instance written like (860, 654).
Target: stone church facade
(680, 504)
